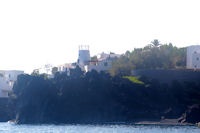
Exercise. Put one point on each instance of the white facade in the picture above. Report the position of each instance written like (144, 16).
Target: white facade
(103, 63)
(7, 80)
(193, 57)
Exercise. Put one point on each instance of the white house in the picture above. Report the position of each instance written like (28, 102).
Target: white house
(193, 57)
(103, 62)
(7, 79)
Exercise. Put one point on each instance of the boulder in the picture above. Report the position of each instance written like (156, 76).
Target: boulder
(198, 124)
(191, 115)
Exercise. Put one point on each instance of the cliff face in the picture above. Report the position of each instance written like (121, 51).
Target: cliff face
(98, 97)
(7, 112)
(191, 115)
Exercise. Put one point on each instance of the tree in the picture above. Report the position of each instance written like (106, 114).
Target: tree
(76, 73)
(166, 56)
(156, 43)
(54, 70)
(94, 58)
(35, 72)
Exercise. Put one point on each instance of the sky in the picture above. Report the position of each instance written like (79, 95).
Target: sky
(38, 32)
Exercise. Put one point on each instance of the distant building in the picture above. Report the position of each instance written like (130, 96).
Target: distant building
(193, 57)
(44, 69)
(7, 79)
(66, 67)
(102, 63)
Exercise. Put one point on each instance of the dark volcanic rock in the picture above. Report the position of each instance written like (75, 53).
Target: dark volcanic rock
(99, 98)
(6, 111)
(192, 114)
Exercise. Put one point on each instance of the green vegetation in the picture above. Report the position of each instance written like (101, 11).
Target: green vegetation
(35, 72)
(94, 58)
(134, 79)
(152, 56)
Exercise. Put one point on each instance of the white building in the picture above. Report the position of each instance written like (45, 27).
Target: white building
(103, 62)
(100, 65)
(193, 57)
(7, 79)
(66, 67)
(47, 68)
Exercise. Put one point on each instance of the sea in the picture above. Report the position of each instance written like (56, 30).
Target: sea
(108, 128)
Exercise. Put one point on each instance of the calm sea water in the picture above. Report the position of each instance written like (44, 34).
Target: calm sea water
(12, 128)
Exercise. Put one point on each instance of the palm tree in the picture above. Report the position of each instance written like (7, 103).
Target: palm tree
(155, 43)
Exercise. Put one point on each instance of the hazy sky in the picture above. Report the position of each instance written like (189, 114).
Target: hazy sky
(33, 33)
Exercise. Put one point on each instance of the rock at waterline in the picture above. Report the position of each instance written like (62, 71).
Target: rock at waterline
(198, 124)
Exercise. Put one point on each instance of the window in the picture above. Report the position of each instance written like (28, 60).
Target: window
(197, 58)
(195, 52)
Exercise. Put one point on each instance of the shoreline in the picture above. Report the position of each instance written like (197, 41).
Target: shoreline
(169, 122)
